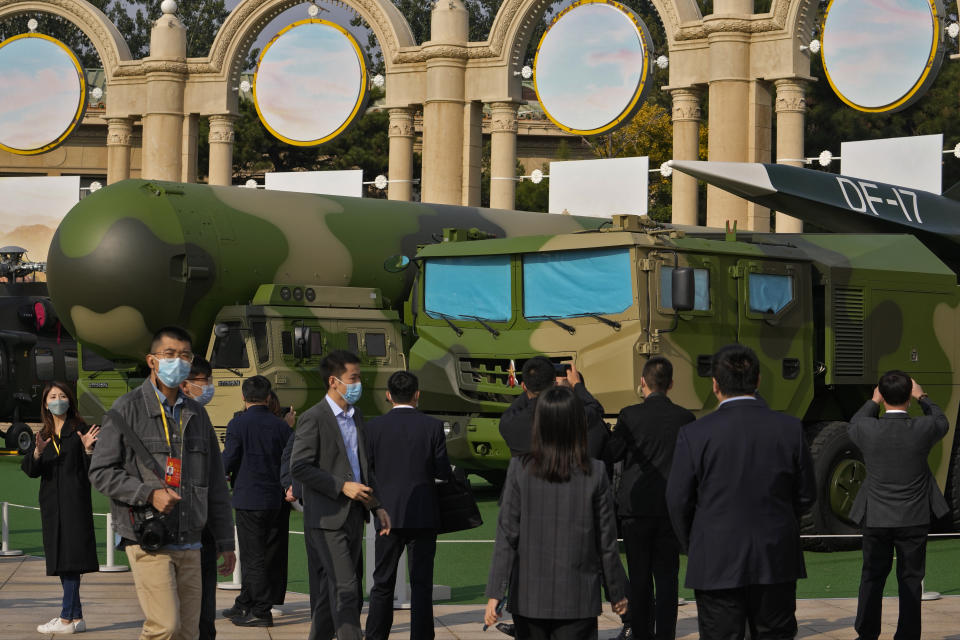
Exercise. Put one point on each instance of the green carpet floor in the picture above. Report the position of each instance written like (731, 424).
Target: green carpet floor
(463, 558)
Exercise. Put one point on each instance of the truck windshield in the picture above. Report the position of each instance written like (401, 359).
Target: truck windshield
(468, 287)
(564, 284)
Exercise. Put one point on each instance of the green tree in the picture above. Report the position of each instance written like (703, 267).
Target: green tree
(60, 28)
(135, 18)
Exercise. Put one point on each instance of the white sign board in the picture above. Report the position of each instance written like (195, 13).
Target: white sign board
(31, 210)
(914, 162)
(330, 183)
(599, 188)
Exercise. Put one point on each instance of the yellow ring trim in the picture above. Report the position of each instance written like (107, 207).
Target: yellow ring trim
(909, 95)
(361, 96)
(81, 106)
(643, 73)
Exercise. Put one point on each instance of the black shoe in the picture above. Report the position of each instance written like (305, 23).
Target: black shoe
(236, 611)
(251, 620)
(626, 633)
(507, 628)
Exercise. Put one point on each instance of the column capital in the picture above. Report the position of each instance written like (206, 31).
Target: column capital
(401, 122)
(503, 117)
(119, 131)
(791, 95)
(686, 104)
(221, 128)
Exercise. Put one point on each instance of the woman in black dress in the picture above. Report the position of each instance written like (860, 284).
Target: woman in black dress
(556, 535)
(61, 459)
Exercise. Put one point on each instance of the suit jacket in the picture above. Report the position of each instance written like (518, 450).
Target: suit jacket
(286, 477)
(251, 452)
(740, 480)
(407, 451)
(516, 423)
(644, 439)
(900, 490)
(555, 543)
(319, 461)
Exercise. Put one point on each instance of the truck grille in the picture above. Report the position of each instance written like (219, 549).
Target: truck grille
(848, 320)
(486, 378)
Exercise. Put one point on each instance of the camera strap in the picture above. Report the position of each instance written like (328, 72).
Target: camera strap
(139, 448)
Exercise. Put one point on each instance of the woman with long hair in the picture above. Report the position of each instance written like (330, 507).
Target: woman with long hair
(556, 534)
(61, 459)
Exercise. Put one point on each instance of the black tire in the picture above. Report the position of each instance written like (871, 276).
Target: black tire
(839, 469)
(19, 437)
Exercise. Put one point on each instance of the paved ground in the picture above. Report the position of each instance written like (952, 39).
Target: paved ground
(28, 597)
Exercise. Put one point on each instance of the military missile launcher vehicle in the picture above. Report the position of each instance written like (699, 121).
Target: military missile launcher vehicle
(34, 348)
(265, 281)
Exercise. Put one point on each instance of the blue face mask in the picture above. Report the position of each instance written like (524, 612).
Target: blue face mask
(58, 407)
(172, 371)
(353, 391)
(206, 395)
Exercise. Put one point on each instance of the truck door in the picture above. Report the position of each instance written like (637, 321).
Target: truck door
(774, 315)
(233, 361)
(380, 355)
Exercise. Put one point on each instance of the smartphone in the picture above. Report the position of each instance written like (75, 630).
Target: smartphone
(561, 368)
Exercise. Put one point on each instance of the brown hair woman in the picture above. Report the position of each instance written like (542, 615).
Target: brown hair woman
(61, 459)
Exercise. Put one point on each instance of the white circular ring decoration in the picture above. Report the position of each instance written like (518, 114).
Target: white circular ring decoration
(592, 67)
(882, 55)
(311, 82)
(44, 93)
(32, 24)
(380, 182)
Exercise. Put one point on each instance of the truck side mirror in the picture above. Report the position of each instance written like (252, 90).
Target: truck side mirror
(683, 286)
(301, 338)
(220, 330)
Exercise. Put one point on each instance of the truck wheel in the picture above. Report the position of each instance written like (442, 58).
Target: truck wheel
(19, 437)
(839, 469)
(952, 488)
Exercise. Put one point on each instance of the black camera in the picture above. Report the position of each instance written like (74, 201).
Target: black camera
(151, 528)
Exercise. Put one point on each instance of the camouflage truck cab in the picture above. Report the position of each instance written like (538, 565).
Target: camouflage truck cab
(284, 333)
(826, 314)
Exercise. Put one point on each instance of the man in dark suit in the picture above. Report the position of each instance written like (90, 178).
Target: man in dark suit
(537, 375)
(643, 439)
(898, 500)
(252, 449)
(740, 480)
(407, 452)
(321, 613)
(330, 459)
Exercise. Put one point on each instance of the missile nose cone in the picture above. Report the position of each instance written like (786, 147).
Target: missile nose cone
(117, 245)
(743, 178)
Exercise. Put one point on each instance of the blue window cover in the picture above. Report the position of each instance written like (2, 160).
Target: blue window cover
(469, 286)
(769, 293)
(701, 289)
(565, 284)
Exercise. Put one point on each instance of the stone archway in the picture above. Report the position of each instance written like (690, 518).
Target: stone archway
(106, 39)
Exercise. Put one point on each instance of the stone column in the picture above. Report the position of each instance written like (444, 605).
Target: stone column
(221, 149)
(791, 107)
(119, 132)
(686, 146)
(443, 107)
(472, 153)
(188, 161)
(503, 155)
(400, 163)
(729, 100)
(166, 76)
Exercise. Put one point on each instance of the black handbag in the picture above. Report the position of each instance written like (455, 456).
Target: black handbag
(458, 508)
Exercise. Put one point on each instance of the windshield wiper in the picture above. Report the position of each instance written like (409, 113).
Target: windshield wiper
(555, 321)
(607, 321)
(485, 325)
(239, 374)
(455, 328)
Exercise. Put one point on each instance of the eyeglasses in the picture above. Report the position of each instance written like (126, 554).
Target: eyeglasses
(186, 356)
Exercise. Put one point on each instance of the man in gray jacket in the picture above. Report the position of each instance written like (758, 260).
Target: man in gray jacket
(898, 500)
(193, 493)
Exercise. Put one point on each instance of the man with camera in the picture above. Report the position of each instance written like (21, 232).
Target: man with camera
(156, 459)
(537, 375)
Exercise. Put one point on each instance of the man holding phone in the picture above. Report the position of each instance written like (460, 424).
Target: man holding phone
(538, 374)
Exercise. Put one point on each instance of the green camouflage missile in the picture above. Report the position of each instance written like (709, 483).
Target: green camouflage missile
(841, 203)
(139, 254)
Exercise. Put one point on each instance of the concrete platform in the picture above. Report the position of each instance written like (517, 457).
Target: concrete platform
(28, 598)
